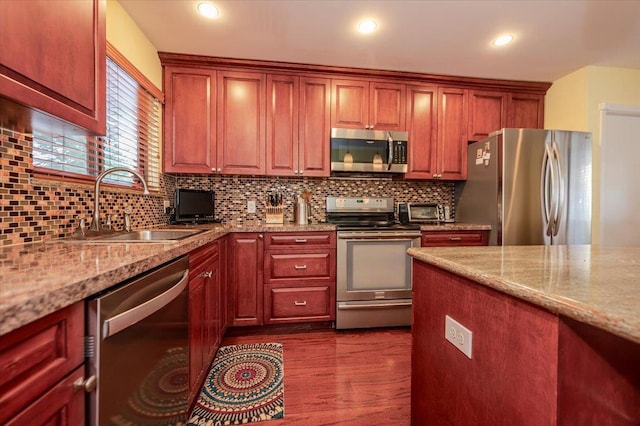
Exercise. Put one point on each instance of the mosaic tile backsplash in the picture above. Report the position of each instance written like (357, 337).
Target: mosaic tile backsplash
(33, 210)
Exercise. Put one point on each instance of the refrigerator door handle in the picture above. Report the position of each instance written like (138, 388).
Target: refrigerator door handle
(547, 186)
(560, 194)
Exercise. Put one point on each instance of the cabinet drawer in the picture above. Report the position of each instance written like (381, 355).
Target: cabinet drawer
(201, 256)
(287, 304)
(297, 240)
(454, 238)
(36, 356)
(319, 264)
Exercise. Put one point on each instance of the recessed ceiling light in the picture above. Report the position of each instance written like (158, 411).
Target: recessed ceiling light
(367, 26)
(208, 10)
(502, 40)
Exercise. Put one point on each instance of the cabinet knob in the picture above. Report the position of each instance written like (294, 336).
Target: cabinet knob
(213, 169)
(260, 236)
(88, 385)
(207, 274)
(219, 170)
(303, 303)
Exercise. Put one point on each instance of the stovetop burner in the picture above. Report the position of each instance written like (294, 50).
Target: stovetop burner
(364, 214)
(373, 227)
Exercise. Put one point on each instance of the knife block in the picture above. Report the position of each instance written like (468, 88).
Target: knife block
(275, 215)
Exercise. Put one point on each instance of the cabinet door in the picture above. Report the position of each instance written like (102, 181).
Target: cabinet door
(189, 120)
(213, 326)
(245, 276)
(526, 111)
(350, 104)
(61, 405)
(314, 157)
(282, 125)
(197, 336)
(452, 134)
(241, 123)
(387, 106)
(53, 56)
(421, 125)
(487, 113)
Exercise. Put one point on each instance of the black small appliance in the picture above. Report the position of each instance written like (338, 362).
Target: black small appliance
(194, 206)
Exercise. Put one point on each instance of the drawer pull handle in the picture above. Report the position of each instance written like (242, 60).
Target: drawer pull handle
(88, 385)
(300, 266)
(207, 274)
(301, 240)
(303, 303)
(455, 239)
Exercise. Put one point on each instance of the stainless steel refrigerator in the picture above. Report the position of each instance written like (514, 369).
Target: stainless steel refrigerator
(532, 186)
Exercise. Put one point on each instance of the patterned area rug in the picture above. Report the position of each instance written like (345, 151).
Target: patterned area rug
(245, 384)
(162, 397)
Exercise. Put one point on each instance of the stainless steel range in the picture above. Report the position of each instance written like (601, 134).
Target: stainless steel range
(373, 276)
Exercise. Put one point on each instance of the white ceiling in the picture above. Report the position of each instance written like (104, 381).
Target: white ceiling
(552, 37)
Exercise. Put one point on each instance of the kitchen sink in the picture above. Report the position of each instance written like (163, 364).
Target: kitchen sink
(139, 236)
(152, 235)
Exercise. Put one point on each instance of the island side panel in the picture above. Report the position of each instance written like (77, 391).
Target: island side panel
(512, 376)
(599, 382)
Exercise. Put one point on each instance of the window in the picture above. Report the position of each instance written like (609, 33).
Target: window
(132, 138)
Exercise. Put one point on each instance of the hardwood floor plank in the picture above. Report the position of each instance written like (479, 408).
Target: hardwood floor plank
(360, 377)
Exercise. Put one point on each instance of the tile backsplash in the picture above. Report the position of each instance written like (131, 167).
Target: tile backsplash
(232, 193)
(34, 209)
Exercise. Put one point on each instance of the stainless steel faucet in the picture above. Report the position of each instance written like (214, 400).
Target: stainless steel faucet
(95, 225)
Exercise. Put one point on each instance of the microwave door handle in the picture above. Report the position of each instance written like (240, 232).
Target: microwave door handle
(389, 151)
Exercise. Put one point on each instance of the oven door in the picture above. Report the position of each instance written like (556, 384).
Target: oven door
(374, 279)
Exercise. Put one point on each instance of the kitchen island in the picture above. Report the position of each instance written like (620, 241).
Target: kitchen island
(555, 335)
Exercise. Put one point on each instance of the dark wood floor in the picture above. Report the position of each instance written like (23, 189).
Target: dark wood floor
(342, 377)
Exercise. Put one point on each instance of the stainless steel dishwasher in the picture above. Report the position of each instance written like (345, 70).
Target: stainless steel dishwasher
(137, 349)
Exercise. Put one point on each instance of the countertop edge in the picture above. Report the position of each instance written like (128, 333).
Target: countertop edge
(566, 307)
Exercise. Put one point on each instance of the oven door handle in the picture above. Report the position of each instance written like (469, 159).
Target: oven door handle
(389, 305)
(129, 317)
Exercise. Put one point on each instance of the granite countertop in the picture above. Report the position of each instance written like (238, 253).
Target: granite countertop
(592, 284)
(40, 278)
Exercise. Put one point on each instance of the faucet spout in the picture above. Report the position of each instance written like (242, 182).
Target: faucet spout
(95, 224)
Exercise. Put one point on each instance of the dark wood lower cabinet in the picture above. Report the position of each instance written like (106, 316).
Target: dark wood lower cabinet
(528, 367)
(205, 313)
(38, 365)
(245, 278)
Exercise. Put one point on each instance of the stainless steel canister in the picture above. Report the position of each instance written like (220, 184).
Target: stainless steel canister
(301, 213)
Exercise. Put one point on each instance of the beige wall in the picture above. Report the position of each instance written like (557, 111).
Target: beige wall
(572, 104)
(125, 36)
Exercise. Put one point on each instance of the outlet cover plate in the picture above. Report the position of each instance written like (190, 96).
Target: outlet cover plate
(458, 335)
(251, 206)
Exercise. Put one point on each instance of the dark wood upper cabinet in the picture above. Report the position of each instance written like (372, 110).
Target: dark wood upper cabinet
(452, 134)
(368, 105)
(526, 110)
(314, 123)
(298, 126)
(278, 122)
(190, 120)
(487, 113)
(241, 122)
(422, 119)
(53, 60)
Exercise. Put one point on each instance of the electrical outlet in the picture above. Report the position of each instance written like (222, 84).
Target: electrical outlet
(167, 204)
(458, 335)
(251, 206)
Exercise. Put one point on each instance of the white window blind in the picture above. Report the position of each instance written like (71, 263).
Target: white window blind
(132, 138)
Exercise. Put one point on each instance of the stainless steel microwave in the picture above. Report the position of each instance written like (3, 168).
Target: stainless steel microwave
(371, 151)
